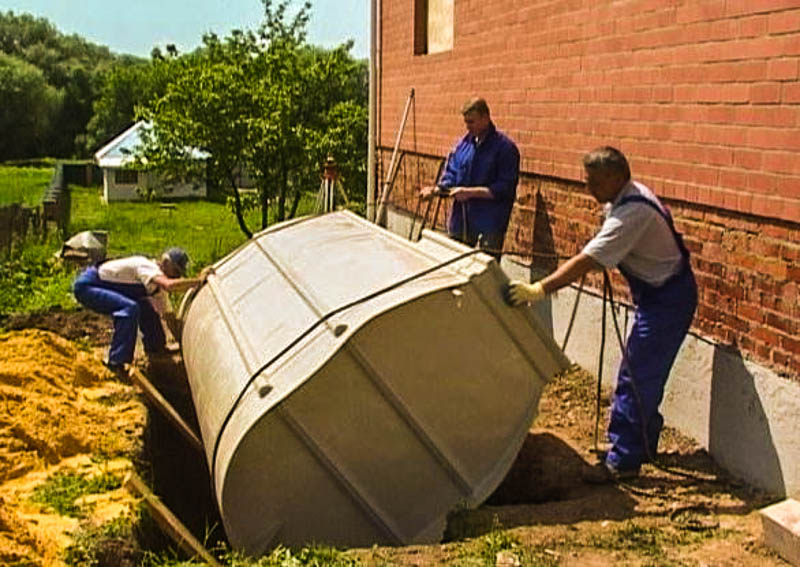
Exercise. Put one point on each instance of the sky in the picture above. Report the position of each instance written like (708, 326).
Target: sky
(136, 26)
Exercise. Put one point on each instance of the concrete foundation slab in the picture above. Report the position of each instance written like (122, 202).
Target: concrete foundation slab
(781, 523)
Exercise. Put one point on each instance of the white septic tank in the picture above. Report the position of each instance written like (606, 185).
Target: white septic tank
(353, 387)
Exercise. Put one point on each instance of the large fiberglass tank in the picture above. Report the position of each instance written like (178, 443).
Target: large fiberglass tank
(353, 387)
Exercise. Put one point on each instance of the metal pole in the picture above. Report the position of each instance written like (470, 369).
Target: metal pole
(393, 163)
(372, 138)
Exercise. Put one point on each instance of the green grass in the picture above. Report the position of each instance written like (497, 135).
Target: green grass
(32, 280)
(61, 491)
(206, 230)
(23, 185)
(650, 541)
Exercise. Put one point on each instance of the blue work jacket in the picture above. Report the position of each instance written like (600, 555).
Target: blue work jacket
(494, 163)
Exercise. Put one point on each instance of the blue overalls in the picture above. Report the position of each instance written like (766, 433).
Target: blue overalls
(128, 304)
(662, 318)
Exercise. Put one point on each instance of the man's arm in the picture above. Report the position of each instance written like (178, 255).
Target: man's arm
(181, 284)
(175, 284)
(447, 178)
(504, 186)
(466, 193)
(570, 271)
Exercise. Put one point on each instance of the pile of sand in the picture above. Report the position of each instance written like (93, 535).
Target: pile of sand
(58, 406)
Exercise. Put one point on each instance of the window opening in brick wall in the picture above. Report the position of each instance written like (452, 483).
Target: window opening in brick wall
(433, 26)
(126, 176)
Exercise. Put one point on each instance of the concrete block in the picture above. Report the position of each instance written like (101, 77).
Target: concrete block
(781, 523)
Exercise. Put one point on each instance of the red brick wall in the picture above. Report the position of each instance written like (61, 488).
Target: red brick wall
(747, 267)
(703, 96)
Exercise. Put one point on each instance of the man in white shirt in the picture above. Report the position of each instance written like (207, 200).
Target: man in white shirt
(639, 238)
(133, 291)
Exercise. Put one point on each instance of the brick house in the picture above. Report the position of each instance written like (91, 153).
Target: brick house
(704, 99)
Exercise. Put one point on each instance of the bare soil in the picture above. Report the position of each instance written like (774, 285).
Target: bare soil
(81, 325)
(685, 511)
(61, 411)
(682, 511)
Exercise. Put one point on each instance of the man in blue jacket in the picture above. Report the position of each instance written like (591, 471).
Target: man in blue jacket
(481, 176)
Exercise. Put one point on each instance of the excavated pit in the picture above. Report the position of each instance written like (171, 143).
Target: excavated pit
(545, 470)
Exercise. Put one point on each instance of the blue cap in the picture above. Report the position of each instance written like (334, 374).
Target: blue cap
(179, 258)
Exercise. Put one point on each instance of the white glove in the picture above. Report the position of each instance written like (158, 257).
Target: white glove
(520, 292)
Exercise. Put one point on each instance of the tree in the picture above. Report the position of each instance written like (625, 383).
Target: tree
(267, 101)
(28, 109)
(69, 65)
(201, 110)
(129, 83)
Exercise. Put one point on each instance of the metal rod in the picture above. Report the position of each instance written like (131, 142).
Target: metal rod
(392, 164)
(436, 179)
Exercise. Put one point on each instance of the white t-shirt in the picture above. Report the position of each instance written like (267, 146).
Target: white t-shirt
(637, 237)
(137, 270)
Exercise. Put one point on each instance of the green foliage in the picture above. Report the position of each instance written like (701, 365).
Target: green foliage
(47, 84)
(494, 542)
(23, 185)
(123, 87)
(30, 108)
(108, 544)
(484, 550)
(267, 101)
(61, 491)
(32, 279)
(312, 556)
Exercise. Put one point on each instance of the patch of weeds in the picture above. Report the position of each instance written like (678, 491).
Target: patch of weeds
(651, 542)
(61, 491)
(32, 280)
(312, 556)
(538, 556)
(632, 538)
(486, 548)
(112, 543)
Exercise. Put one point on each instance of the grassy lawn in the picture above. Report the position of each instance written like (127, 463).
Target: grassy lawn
(206, 230)
(23, 185)
(32, 280)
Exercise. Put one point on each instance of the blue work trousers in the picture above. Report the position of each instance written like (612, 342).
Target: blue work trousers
(131, 310)
(661, 320)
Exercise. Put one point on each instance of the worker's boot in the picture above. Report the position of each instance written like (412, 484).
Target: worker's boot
(603, 473)
(118, 370)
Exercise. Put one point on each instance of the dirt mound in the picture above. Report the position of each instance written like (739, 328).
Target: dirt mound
(80, 325)
(61, 410)
(46, 415)
(15, 540)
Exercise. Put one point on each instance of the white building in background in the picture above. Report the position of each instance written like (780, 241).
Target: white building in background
(121, 183)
